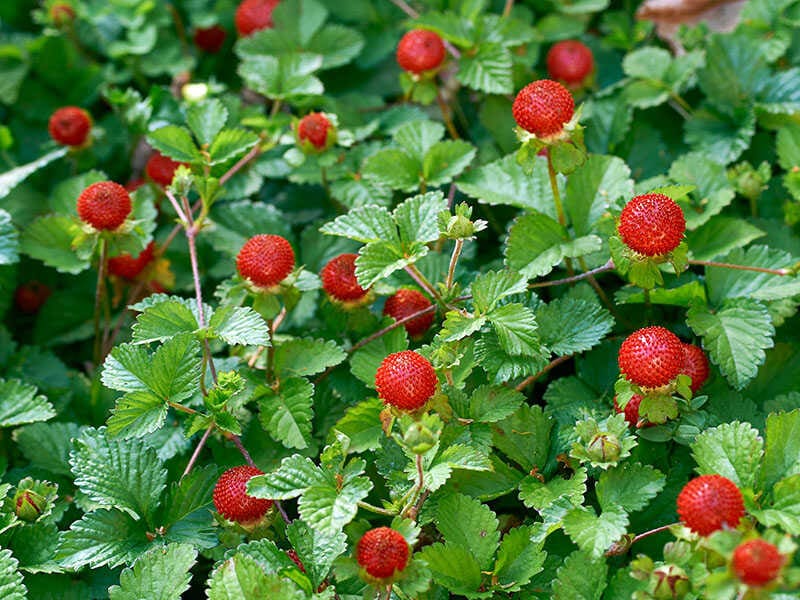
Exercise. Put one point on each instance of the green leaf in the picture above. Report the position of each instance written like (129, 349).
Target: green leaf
(242, 578)
(732, 450)
(492, 286)
(162, 573)
(175, 142)
(316, 549)
(58, 242)
(599, 184)
(206, 119)
(457, 326)
(446, 160)
(417, 217)
(782, 450)
(103, 537)
(239, 325)
(503, 366)
(488, 70)
(570, 325)
(418, 137)
(784, 511)
(524, 437)
(137, 414)
(378, 260)
(332, 505)
(231, 143)
(647, 63)
(393, 168)
(293, 477)
(537, 243)
(489, 403)
(47, 445)
(735, 69)
(518, 559)
(236, 222)
(9, 240)
(282, 77)
(11, 179)
(362, 425)
(125, 475)
(735, 337)
(455, 456)
(305, 356)
(449, 25)
(365, 224)
(453, 567)
(467, 522)
(725, 283)
(713, 189)
(11, 586)
(19, 404)
(540, 496)
(286, 414)
(186, 512)
(787, 145)
(515, 326)
(720, 136)
(581, 577)
(629, 486)
(164, 320)
(720, 235)
(595, 534)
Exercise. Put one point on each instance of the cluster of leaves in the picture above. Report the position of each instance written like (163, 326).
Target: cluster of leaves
(121, 408)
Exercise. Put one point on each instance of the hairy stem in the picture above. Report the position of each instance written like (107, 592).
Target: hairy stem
(238, 443)
(451, 272)
(254, 151)
(641, 536)
(448, 121)
(562, 218)
(99, 294)
(281, 510)
(197, 450)
(423, 282)
(376, 509)
(609, 266)
(552, 365)
(507, 8)
(711, 263)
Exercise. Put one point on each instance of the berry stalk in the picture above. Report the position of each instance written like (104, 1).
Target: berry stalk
(451, 272)
(99, 295)
(711, 263)
(197, 450)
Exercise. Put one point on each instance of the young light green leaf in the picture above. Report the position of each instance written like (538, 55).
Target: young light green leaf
(206, 119)
(366, 224)
(331, 505)
(239, 325)
(515, 326)
(488, 70)
(282, 77)
(417, 217)
(732, 450)
(293, 477)
(162, 573)
(231, 143)
(164, 320)
(19, 404)
(136, 414)
(491, 287)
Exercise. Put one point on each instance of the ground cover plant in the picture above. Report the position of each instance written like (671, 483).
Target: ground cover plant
(399, 300)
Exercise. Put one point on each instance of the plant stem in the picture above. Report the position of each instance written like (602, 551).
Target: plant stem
(99, 294)
(182, 408)
(281, 510)
(609, 266)
(553, 364)
(448, 121)
(381, 332)
(711, 263)
(641, 536)
(598, 290)
(254, 151)
(451, 272)
(276, 107)
(376, 509)
(238, 443)
(507, 8)
(423, 282)
(562, 219)
(197, 450)
(177, 207)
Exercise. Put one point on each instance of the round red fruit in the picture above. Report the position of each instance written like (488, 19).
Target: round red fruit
(265, 260)
(543, 107)
(651, 357)
(210, 39)
(631, 410)
(161, 169)
(128, 267)
(405, 380)
(70, 126)
(709, 503)
(757, 562)
(313, 129)
(30, 296)
(570, 61)
(652, 224)
(231, 499)
(420, 50)
(254, 15)
(382, 551)
(339, 279)
(104, 205)
(695, 365)
(406, 302)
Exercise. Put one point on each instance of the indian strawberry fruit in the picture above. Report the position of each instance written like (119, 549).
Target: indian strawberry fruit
(315, 132)
(254, 15)
(339, 279)
(405, 380)
(757, 562)
(570, 61)
(30, 297)
(128, 267)
(543, 107)
(70, 126)
(695, 365)
(161, 169)
(231, 499)
(651, 357)
(420, 50)
(631, 410)
(710, 502)
(210, 39)
(265, 260)
(104, 205)
(652, 224)
(406, 302)
(382, 552)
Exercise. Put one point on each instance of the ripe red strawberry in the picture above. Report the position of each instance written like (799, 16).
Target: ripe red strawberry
(651, 357)
(339, 279)
(265, 260)
(134, 184)
(382, 551)
(757, 562)
(570, 61)
(543, 107)
(652, 224)
(62, 14)
(30, 296)
(161, 169)
(420, 50)
(210, 39)
(104, 205)
(631, 411)
(231, 499)
(695, 365)
(710, 502)
(128, 267)
(254, 15)
(70, 126)
(405, 380)
(315, 132)
(406, 302)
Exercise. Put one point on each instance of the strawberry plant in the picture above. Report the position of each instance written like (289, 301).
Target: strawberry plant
(306, 299)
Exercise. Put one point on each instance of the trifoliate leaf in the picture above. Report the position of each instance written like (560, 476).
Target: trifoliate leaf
(286, 413)
(466, 522)
(629, 486)
(103, 537)
(732, 450)
(161, 573)
(569, 326)
(595, 534)
(19, 404)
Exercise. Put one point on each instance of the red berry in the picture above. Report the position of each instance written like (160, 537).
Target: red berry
(296, 559)
(543, 107)
(382, 551)
(104, 205)
(128, 267)
(570, 61)
(210, 39)
(652, 224)
(161, 169)
(134, 184)
(254, 15)
(406, 302)
(405, 380)
(231, 499)
(651, 357)
(339, 279)
(62, 14)
(265, 260)
(695, 365)
(631, 410)
(709, 502)
(313, 129)
(757, 562)
(70, 126)
(30, 296)
(420, 50)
